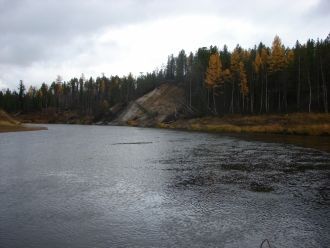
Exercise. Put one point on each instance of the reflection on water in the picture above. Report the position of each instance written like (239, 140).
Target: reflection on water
(83, 186)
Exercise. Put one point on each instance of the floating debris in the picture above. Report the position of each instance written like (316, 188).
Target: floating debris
(132, 143)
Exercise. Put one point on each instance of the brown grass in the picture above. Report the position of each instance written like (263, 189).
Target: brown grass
(133, 123)
(6, 119)
(9, 124)
(297, 123)
(19, 128)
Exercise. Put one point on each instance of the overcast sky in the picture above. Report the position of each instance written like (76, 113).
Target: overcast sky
(40, 39)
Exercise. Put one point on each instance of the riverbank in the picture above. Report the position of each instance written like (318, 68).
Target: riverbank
(19, 128)
(9, 124)
(302, 129)
(313, 124)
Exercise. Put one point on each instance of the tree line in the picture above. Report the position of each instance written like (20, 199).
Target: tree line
(260, 80)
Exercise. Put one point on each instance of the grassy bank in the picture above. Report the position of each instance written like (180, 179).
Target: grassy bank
(19, 128)
(297, 123)
(9, 124)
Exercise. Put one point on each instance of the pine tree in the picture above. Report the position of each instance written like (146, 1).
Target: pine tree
(21, 94)
(181, 66)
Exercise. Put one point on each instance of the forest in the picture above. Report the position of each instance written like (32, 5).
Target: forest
(259, 80)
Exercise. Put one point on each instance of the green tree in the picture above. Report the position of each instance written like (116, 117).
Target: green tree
(21, 94)
(181, 66)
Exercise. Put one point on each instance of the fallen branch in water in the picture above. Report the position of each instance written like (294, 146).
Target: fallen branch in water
(264, 242)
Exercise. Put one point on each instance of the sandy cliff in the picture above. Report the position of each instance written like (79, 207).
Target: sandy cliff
(160, 105)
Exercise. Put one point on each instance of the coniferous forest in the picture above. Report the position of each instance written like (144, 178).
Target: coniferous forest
(260, 80)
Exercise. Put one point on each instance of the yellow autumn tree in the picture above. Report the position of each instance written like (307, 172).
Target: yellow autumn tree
(277, 65)
(234, 61)
(239, 74)
(213, 77)
(289, 57)
(264, 56)
(226, 75)
(257, 63)
(277, 60)
(213, 72)
(243, 80)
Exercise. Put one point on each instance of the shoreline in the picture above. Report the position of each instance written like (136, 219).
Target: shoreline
(293, 124)
(311, 130)
(305, 124)
(19, 128)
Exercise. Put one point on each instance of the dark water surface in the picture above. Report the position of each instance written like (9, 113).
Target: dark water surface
(90, 186)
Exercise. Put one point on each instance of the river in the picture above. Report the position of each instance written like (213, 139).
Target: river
(101, 186)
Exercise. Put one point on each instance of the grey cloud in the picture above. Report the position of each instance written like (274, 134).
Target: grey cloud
(30, 30)
(33, 31)
(323, 8)
(20, 49)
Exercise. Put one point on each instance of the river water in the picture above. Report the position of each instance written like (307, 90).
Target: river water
(94, 186)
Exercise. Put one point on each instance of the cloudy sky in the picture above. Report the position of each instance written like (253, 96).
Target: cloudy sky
(40, 39)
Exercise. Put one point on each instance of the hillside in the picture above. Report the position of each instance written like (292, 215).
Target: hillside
(7, 120)
(9, 124)
(160, 105)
